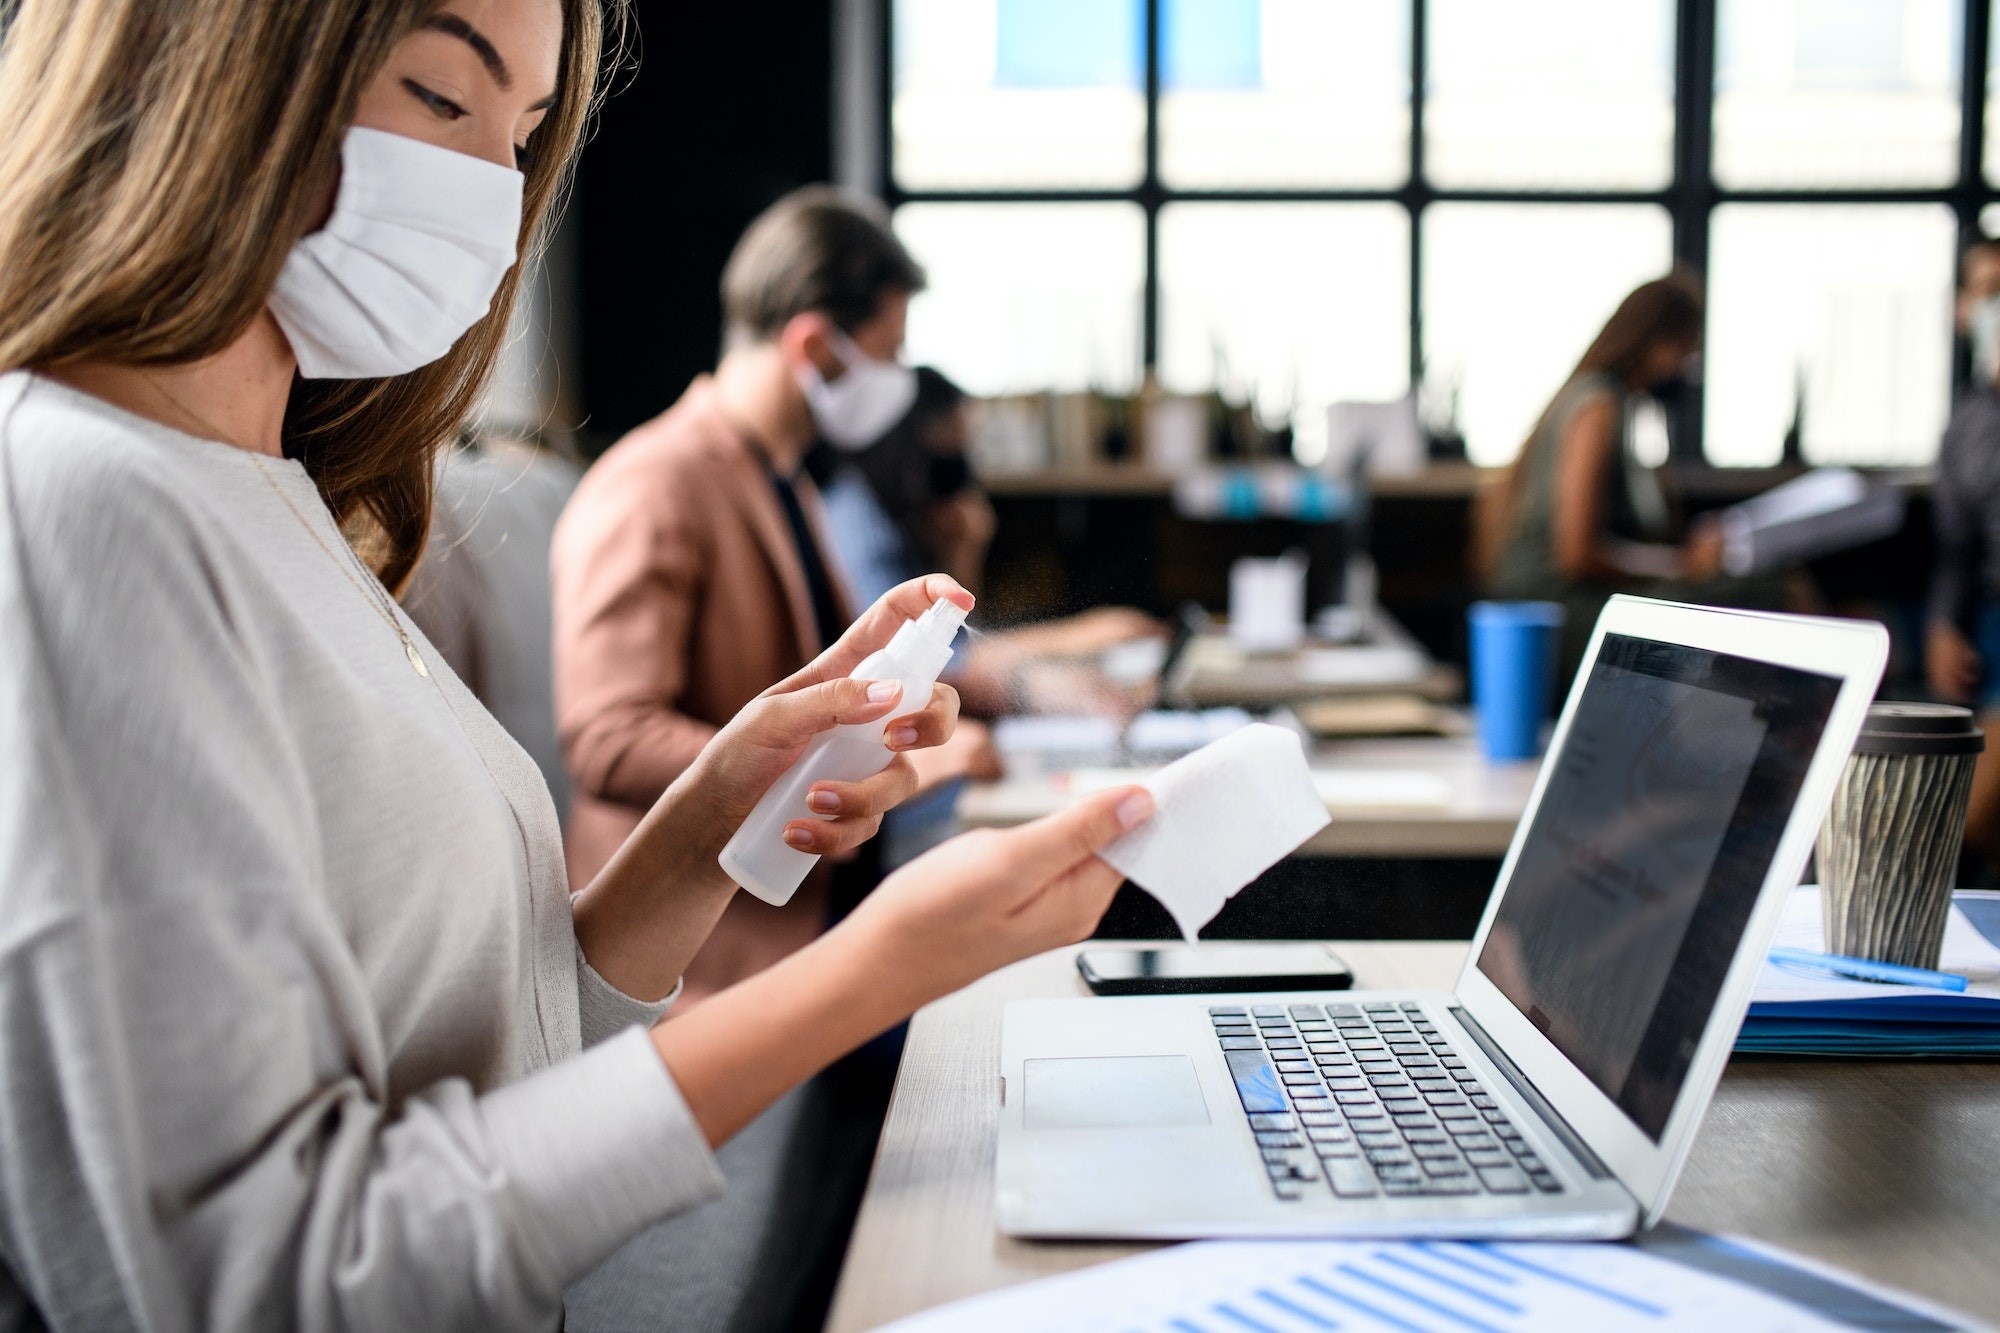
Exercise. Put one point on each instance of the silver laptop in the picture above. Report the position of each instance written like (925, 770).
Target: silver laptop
(1554, 1092)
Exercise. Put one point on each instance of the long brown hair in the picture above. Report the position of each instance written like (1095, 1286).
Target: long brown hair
(159, 163)
(1665, 310)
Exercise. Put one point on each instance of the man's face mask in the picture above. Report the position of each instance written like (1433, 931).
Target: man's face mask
(870, 396)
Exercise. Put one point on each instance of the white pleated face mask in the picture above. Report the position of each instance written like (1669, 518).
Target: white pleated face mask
(870, 396)
(419, 240)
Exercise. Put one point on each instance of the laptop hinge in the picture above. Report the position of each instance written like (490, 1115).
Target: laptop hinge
(1529, 1094)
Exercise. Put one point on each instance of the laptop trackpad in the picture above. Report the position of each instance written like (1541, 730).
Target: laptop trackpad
(1121, 1092)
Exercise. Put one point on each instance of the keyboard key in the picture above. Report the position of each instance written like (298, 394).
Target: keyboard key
(1488, 1157)
(1409, 1122)
(1449, 1185)
(1317, 1118)
(1546, 1182)
(1494, 1115)
(1503, 1180)
(1476, 1140)
(1355, 1098)
(1404, 1187)
(1443, 1166)
(1305, 1105)
(1530, 1163)
(1402, 1105)
(1460, 1113)
(1221, 1009)
(1346, 1148)
(1435, 1150)
(1279, 1138)
(1444, 1099)
(1308, 1011)
(1256, 1082)
(1295, 1066)
(1436, 1085)
(1427, 1137)
(1328, 1134)
(1288, 1190)
(1378, 1007)
(1269, 1120)
(1484, 1102)
(1304, 1078)
(1379, 1138)
(1264, 1010)
(1349, 1177)
(1348, 1084)
(1241, 1044)
(1413, 1006)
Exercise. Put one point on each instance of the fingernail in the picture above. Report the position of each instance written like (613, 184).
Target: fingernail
(882, 691)
(1135, 810)
(824, 802)
(902, 735)
(799, 838)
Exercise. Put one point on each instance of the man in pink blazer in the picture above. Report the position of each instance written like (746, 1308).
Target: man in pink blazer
(691, 570)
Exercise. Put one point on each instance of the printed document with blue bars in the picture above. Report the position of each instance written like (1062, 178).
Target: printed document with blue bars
(1434, 1287)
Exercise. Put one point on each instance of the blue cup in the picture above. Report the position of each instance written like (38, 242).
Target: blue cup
(1513, 669)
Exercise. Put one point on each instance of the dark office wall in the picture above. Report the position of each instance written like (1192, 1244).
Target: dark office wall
(727, 110)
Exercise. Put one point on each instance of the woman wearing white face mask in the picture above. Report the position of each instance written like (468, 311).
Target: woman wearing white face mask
(298, 1025)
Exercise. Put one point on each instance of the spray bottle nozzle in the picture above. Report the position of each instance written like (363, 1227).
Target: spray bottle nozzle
(924, 644)
(942, 622)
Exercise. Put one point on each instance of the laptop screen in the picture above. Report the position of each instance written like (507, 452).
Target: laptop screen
(1654, 834)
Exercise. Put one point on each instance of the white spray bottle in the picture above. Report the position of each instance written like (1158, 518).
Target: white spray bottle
(758, 858)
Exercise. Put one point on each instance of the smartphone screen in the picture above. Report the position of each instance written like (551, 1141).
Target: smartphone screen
(1180, 969)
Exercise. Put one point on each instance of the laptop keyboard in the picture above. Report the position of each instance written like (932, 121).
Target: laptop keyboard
(1372, 1099)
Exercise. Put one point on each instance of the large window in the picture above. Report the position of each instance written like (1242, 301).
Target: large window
(1300, 202)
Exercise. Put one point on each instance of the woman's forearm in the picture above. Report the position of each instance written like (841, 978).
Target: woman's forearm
(739, 1051)
(641, 921)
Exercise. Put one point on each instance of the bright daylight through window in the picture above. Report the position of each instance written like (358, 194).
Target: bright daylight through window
(1300, 202)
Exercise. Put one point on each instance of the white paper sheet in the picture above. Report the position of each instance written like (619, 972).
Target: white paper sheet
(1965, 952)
(1226, 813)
(1427, 1286)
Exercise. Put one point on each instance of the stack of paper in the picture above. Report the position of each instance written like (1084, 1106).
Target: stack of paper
(1799, 1012)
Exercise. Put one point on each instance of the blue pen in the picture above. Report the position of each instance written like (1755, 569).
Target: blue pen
(1867, 969)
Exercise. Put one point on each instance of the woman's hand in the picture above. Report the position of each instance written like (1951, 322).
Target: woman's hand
(992, 897)
(769, 735)
(979, 902)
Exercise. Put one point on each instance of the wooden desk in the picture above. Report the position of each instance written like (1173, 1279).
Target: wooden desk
(1477, 819)
(1890, 1171)
(1215, 673)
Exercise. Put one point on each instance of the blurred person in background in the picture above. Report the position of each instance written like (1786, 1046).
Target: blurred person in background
(910, 502)
(1578, 516)
(1962, 613)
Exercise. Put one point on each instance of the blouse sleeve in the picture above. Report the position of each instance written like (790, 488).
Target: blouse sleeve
(187, 1136)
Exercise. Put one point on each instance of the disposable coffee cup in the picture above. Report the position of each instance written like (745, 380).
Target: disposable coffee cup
(1513, 669)
(1888, 852)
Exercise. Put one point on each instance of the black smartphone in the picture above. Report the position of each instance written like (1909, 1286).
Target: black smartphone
(1178, 969)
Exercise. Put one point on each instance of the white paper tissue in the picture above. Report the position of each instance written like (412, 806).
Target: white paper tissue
(1225, 814)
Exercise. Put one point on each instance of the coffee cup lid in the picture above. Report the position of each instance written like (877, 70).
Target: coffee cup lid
(1918, 728)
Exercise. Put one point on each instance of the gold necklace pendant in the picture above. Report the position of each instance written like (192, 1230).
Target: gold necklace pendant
(416, 658)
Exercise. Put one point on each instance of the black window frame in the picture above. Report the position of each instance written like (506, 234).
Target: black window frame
(1690, 197)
